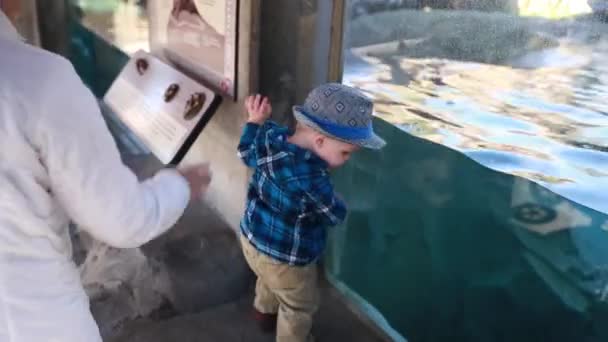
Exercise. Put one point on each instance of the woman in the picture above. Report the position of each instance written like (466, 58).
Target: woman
(59, 163)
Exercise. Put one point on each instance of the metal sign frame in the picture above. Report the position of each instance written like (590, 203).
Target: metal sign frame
(164, 108)
(205, 47)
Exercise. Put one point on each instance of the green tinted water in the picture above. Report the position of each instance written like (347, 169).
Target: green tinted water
(448, 250)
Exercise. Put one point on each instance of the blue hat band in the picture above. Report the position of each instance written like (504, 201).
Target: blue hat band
(339, 131)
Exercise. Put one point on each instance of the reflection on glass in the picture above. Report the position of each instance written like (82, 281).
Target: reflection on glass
(123, 23)
(484, 218)
(553, 8)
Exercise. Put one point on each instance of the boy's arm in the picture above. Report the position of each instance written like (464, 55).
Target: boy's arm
(258, 110)
(246, 148)
(330, 208)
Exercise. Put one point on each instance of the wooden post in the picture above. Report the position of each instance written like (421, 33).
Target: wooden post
(53, 22)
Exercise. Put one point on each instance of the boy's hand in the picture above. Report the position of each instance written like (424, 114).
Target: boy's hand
(258, 109)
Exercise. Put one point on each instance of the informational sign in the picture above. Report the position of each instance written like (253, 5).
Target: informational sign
(199, 36)
(165, 109)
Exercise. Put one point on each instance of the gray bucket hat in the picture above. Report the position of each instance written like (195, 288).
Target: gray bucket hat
(340, 112)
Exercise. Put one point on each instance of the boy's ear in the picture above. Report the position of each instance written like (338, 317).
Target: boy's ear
(319, 139)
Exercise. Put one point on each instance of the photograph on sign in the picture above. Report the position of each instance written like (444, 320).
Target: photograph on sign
(199, 36)
(165, 109)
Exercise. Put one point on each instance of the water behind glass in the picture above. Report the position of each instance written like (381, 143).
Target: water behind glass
(485, 218)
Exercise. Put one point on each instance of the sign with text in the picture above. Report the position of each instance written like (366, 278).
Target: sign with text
(199, 36)
(163, 107)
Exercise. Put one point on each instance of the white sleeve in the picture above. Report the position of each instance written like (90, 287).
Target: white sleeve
(87, 176)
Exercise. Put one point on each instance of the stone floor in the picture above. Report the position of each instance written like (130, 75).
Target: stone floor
(232, 322)
(192, 284)
(210, 295)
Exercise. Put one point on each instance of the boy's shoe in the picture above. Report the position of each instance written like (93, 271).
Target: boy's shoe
(266, 322)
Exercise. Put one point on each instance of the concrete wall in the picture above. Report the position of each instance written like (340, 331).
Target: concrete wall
(219, 140)
(283, 56)
(294, 51)
(283, 52)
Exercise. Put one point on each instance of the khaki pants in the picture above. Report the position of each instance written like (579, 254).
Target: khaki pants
(290, 291)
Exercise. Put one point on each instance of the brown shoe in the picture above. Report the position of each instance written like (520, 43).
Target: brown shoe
(266, 322)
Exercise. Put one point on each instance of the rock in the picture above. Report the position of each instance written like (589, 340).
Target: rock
(493, 38)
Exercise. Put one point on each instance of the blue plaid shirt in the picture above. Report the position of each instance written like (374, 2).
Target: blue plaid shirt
(291, 201)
